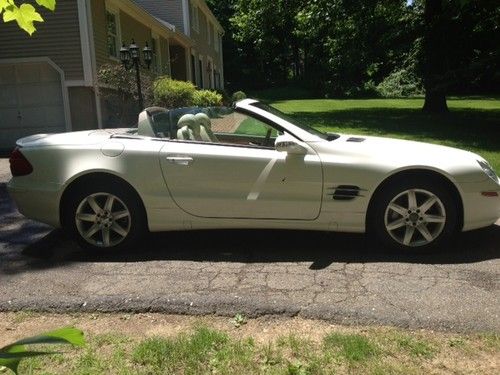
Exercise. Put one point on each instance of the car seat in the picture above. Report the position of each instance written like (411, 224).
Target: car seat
(144, 126)
(205, 127)
(189, 129)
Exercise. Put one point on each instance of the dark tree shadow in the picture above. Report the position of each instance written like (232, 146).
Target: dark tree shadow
(467, 129)
(261, 246)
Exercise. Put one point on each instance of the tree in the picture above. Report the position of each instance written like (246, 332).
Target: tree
(25, 14)
(265, 34)
(435, 56)
(459, 49)
(350, 47)
(352, 44)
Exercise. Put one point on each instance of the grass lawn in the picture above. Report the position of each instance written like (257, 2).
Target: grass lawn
(472, 123)
(169, 344)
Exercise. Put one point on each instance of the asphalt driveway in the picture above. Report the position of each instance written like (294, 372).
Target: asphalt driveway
(332, 276)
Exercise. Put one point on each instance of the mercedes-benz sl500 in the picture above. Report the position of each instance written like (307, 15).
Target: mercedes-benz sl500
(248, 166)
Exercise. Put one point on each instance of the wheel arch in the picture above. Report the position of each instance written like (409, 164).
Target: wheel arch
(418, 173)
(93, 177)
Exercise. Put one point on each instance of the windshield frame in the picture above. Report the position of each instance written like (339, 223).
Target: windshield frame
(276, 112)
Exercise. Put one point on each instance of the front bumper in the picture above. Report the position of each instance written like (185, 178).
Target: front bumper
(479, 210)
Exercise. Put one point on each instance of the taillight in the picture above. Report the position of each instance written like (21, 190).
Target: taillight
(19, 165)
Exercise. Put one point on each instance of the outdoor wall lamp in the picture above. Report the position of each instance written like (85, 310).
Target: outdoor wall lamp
(130, 57)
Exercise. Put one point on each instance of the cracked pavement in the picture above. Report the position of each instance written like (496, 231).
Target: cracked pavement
(332, 276)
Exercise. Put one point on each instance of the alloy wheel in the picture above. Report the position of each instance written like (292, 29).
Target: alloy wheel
(415, 217)
(103, 220)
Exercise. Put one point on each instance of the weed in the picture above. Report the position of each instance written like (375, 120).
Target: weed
(239, 320)
(416, 347)
(353, 347)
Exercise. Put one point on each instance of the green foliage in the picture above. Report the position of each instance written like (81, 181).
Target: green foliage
(238, 95)
(25, 14)
(207, 98)
(11, 355)
(123, 81)
(239, 320)
(416, 347)
(171, 93)
(357, 48)
(204, 350)
(353, 347)
(400, 83)
(193, 353)
(118, 87)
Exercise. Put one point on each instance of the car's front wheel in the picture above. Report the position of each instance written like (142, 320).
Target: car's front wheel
(417, 215)
(104, 216)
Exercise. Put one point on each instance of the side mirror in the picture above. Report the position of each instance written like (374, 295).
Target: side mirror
(288, 144)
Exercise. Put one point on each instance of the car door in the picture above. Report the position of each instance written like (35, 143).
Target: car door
(238, 180)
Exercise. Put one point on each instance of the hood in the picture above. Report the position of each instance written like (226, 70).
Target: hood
(390, 148)
(68, 139)
(392, 154)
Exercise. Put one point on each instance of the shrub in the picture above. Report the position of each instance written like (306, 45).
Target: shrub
(206, 98)
(226, 98)
(118, 87)
(400, 83)
(238, 95)
(170, 93)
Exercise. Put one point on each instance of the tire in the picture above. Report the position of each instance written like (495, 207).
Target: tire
(104, 216)
(415, 214)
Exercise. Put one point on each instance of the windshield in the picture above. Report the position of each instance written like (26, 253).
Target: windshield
(293, 121)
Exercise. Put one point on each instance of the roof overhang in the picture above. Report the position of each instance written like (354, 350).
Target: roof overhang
(157, 26)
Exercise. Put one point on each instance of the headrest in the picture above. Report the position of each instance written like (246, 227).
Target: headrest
(202, 119)
(189, 121)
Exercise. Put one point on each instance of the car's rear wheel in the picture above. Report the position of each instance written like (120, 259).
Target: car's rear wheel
(104, 216)
(417, 214)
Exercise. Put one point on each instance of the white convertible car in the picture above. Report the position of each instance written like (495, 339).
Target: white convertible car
(248, 167)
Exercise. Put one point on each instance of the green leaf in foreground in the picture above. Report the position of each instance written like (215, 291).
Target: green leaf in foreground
(12, 354)
(49, 4)
(25, 16)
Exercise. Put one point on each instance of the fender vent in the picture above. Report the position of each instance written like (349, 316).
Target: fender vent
(345, 192)
(355, 139)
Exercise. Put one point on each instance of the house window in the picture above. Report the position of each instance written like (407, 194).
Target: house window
(112, 34)
(216, 40)
(195, 20)
(209, 33)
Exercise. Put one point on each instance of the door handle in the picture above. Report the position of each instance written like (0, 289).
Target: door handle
(181, 160)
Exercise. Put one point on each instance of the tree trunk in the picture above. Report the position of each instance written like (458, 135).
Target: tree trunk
(435, 102)
(434, 57)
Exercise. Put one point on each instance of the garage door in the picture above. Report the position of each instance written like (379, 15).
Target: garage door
(31, 101)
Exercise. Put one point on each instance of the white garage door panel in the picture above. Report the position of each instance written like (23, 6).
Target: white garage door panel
(31, 101)
(8, 96)
(48, 74)
(54, 116)
(9, 117)
(30, 95)
(7, 75)
(8, 139)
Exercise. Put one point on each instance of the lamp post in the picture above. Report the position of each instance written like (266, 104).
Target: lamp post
(130, 57)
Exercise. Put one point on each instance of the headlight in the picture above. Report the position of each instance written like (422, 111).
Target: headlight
(488, 170)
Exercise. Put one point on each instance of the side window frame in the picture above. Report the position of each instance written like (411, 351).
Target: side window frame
(250, 114)
(115, 13)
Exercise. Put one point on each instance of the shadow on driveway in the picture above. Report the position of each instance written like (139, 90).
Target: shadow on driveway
(263, 246)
